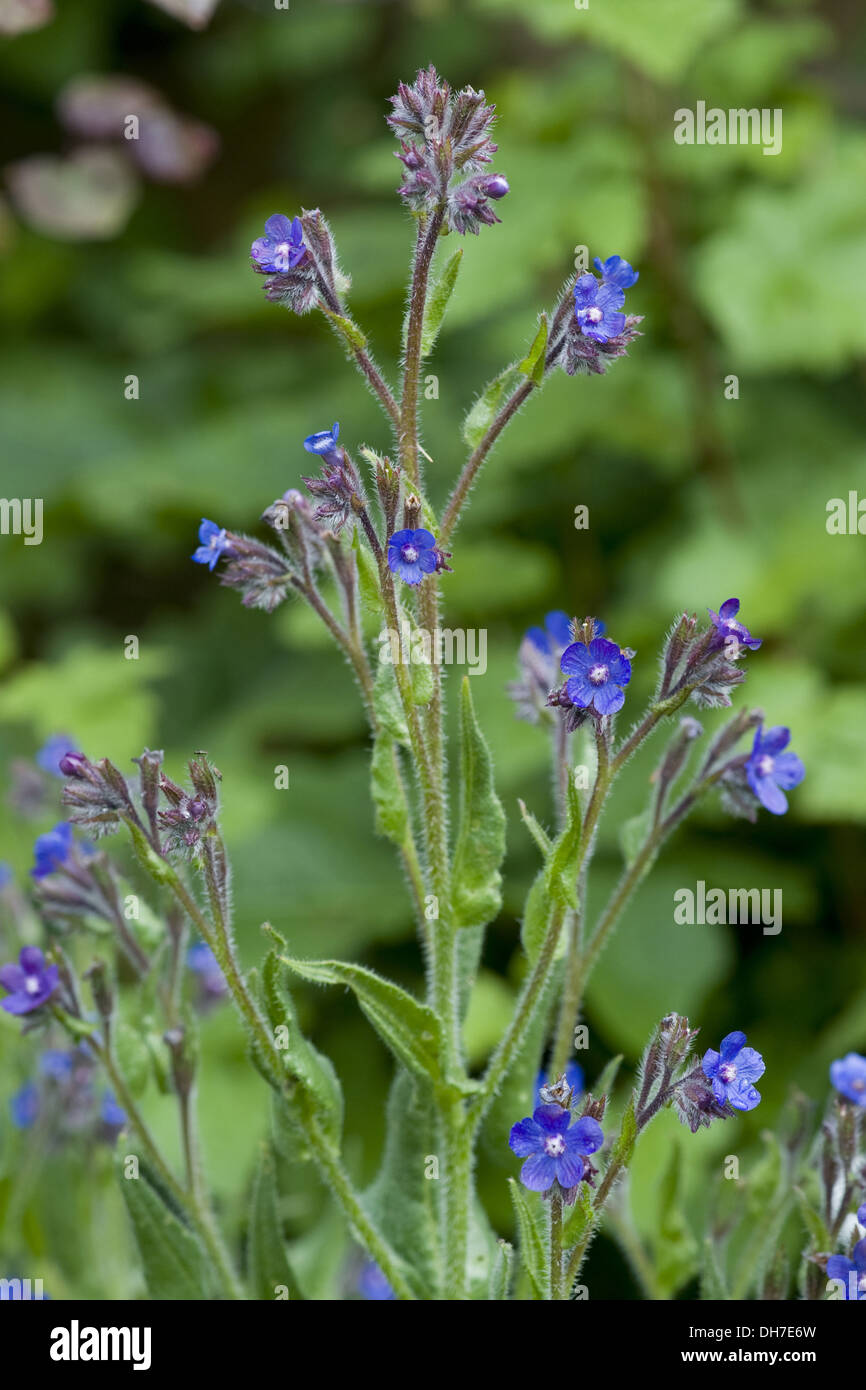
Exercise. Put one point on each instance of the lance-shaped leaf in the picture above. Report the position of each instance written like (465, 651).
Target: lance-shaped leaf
(480, 847)
(351, 334)
(268, 1264)
(533, 363)
(437, 302)
(411, 1029)
(533, 1246)
(562, 863)
(484, 410)
(405, 1199)
(172, 1259)
(302, 1062)
(388, 791)
(500, 1274)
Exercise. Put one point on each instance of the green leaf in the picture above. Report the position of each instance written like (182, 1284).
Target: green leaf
(536, 917)
(368, 575)
(133, 1057)
(387, 705)
(579, 1218)
(268, 1263)
(348, 331)
(388, 791)
(437, 302)
(488, 403)
(480, 846)
(411, 1030)
(173, 1261)
(533, 1246)
(405, 1195)
(605, 1083)
(624, 1146)
(676, 1247)
(533, 363)
(562, 862)
(302, 1061)
(712, 1285)
(814, 1222)
(500, 1274)
(537, 831)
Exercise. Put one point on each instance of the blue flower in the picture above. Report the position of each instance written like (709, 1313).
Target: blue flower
(52, 849)
(282, 247)
(852, 1273)
(616, 271)
(772, 772)
(30, 983)
(113, 1116)
(596, 308)
(861, 1214)
(24, 1106)
(373, 1285)
(728, 629)
(411, 555)
(214, 544)
(204, 965)
(52, 751)
(554, 636)
(848, 1075)
(324, 442)
(596, 675)
(553, 1151)
(55, 1064)
(573, 1078)
(732, 1070)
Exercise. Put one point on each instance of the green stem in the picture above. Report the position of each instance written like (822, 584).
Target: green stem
(557, 1292)
(428, 235)
(220, 943)
(473, 464)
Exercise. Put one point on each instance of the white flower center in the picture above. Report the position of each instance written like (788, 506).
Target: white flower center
(31, 984)
(554, 1146)
(765, 765)
(594, 315)
(727, 1072)
(598, 675)
(410, 554)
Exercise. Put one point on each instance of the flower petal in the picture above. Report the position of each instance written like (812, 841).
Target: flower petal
(538, 1172)
(585, 1136)
(526, 1138)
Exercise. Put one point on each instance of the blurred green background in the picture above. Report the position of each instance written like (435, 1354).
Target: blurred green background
(750, 266)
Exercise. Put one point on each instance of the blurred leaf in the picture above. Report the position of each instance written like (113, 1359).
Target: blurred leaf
(529, 1211)
(268, 1263)
(480, 846)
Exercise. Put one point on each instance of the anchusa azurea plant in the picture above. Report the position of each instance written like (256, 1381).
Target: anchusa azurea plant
(360, 541)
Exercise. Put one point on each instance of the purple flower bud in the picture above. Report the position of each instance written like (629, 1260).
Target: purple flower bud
(73, 764)
(496, 186)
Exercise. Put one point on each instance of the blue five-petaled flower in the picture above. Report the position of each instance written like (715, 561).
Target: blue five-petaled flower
(30, 983)
(554, 1148)
(412, 554)
(596, 308)
(728, 631)
(282, 246)
(51, 850)
(596, 674)
(848, 1075)
(851, 1273)
(733, 1070)
(616, 271)
(214, 544)
(771, 771)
